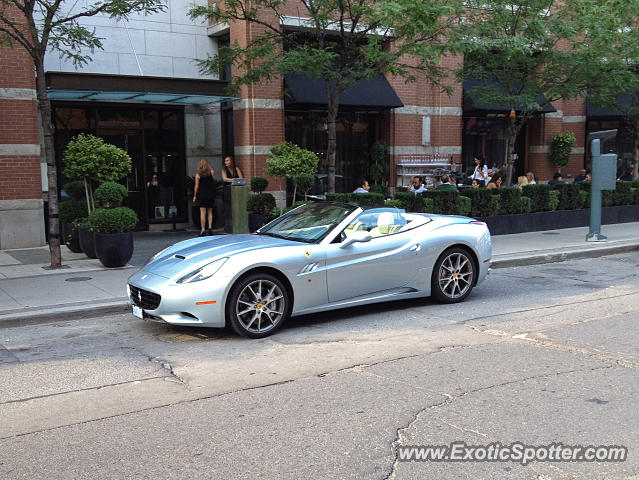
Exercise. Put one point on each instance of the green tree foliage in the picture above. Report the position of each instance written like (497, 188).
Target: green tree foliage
(561, 148)
(92, 160)
(529, 53)
(40, 26)
(259, 184)
(110, 194)
(288, 160)
(340, 43)
(616, 34)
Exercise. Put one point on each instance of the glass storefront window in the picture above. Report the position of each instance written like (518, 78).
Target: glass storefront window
(153, 138)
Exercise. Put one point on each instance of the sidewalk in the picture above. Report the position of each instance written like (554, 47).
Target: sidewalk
(30, 293)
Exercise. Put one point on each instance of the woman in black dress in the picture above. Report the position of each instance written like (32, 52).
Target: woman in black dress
(204, 192)
(229, 172)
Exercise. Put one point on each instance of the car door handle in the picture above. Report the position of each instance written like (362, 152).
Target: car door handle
(415, 248)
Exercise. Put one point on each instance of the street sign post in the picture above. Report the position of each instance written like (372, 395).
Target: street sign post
(604, 170)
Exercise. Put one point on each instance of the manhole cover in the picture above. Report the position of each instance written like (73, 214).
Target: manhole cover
(77, 279)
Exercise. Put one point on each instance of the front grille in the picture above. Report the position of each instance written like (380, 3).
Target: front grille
(144, 299)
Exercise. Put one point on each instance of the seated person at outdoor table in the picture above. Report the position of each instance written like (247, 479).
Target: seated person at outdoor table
(581, 177)
(475, 184)
(531, 178)
(446, 184)
(556, 179)
(364, 187)
(495, 181)
(522, 182)
(416, 185)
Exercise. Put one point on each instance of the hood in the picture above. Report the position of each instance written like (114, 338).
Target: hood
(190, 255)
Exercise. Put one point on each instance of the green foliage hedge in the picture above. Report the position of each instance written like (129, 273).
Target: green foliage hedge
(480, 201)
(463, 205)
(110, 195)
(553, 199)
(411, 202)
(525, 204)
(510, 199)
(623, 193)
(260, 203)
(538, 194)
(112, 220)
(568, 195)
(70, 210)
(444, 201)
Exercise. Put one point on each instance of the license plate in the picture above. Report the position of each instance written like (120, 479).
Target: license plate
(137, 311)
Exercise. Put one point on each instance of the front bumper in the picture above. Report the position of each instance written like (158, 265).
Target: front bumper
(197, 303)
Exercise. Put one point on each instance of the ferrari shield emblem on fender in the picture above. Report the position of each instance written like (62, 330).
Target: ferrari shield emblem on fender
(308, 254)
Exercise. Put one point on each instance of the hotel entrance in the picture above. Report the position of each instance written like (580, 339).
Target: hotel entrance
(154, 139)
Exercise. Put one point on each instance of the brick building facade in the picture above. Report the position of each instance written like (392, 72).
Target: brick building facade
(164, 46)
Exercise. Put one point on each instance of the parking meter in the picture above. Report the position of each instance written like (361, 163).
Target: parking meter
(239, 199)
(604, 170)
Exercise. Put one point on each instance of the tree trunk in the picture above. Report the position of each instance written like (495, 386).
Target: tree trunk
(332, 94)
(635, 153)
(514, 126)
(44, 108)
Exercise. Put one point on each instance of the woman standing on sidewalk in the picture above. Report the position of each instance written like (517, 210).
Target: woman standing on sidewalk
(204, 192)
(229, 172)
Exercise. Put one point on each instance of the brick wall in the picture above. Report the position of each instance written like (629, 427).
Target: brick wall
(20, 176)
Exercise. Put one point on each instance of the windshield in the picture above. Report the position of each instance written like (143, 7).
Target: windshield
(308, 223)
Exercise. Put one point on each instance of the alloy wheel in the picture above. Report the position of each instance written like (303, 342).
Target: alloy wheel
(456, 275)
(260, 306)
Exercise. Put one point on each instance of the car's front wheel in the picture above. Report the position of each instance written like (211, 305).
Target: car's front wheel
(453, 276)
(258, 305)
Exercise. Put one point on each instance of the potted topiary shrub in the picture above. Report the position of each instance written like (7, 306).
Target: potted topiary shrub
(72, 209)
(260, 204)
(113, 225)
(91, 160)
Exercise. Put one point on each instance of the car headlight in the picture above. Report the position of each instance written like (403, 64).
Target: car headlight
(203, 273)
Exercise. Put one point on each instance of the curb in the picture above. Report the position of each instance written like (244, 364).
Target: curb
(87, 310)
(532, 258)
(46, 315)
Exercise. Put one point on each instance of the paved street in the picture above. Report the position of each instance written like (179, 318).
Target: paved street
(540, 354)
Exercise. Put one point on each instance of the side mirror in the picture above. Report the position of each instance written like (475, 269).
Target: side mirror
(356, 237)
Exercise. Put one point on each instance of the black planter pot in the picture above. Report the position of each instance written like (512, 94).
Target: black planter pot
(540, 221)
(71, 237)
(256, 220)
(114, 249)
(87, 241)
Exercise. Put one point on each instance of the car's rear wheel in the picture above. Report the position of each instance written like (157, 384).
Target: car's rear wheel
(453, 276)
(258, 305)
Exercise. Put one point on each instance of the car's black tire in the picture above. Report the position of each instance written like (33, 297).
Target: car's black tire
(256, 298)
(454, 275)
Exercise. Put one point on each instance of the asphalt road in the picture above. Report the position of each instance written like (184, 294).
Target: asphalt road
(540, 354)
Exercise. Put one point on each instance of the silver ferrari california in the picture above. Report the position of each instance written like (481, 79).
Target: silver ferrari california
(320, 256)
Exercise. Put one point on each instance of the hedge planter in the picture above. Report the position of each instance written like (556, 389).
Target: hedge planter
(256, 220)
(540, 221)
(87, 241)
(114, 249)
(71, 237)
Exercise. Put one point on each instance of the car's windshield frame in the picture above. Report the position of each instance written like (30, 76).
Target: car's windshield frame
(347, 208)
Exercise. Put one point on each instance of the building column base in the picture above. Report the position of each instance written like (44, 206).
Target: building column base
(21, 223)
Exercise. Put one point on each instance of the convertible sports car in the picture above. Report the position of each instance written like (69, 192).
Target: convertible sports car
(319, 256)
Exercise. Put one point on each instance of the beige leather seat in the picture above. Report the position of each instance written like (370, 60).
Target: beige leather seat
(385, 225)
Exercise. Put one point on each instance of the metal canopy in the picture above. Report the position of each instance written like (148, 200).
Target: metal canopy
(153, 97)
(129, 88)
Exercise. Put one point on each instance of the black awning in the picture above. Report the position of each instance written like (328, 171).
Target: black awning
(620, 109)
(470, 107)
(373, 93)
